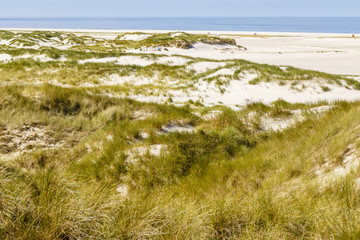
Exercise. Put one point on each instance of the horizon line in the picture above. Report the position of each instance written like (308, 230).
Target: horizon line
(112, 17)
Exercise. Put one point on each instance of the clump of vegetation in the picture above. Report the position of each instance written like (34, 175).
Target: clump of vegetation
(325, 88)
(7, 35)
(178, 40)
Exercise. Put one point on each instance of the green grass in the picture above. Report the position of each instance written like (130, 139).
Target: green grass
(325, 88)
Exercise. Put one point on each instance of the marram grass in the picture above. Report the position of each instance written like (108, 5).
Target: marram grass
(224, 182)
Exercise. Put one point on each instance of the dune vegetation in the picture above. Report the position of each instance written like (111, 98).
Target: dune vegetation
(81, 158)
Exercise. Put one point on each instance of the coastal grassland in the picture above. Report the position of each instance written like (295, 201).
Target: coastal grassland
(79, 159)
(56, 57)
(224, 179)
(64, 67)
(84, 42)
(35, 37)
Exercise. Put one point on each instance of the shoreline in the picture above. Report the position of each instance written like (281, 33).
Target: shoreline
(235, 33)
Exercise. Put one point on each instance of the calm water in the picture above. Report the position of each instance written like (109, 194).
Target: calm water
(320, 25)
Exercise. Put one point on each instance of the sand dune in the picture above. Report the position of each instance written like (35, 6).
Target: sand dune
(208, 63)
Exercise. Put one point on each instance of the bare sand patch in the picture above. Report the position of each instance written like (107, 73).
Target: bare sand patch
(328, 173)
(201, 67)
(26, 138)
(180, 128)
(5, 57)
(124, 60)
(135, 154)
(173, 61)
(135, 37)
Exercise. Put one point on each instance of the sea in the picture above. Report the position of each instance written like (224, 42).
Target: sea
(257, 24)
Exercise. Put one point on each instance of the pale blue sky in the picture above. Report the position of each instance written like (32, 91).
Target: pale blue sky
(178, 8)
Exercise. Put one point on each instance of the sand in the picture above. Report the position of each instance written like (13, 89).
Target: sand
(201, 67)
(240, 92)
(135, 37)
(332, 55)
(5, 57)
(140, 61)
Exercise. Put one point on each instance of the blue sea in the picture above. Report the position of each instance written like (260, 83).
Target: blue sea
(260, 24)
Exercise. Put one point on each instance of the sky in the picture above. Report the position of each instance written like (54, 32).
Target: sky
(179, 8)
